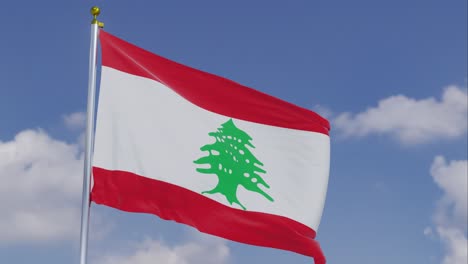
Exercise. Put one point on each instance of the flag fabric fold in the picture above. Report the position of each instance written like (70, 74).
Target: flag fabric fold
(201, 150)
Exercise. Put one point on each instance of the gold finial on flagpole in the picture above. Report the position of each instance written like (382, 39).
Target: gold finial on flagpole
(95, 11)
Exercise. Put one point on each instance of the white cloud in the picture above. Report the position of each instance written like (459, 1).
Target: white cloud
(456, 245)
(75, 120)
(197, 251)
(450, 216)
(410, 120)
(40, 188)
(452, 178)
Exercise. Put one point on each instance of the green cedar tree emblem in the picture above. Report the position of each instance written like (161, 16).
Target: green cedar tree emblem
(233, 163)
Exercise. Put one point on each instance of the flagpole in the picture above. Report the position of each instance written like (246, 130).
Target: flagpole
(95, 24)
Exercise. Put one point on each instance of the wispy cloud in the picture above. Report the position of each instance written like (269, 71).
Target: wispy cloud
(411, 121)
(198, 250)
(323, 111)
(75, 120)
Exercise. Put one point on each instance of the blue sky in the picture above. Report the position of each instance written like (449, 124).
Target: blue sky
(390, 75)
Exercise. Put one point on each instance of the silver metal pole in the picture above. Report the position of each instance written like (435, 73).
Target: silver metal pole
(89, 137)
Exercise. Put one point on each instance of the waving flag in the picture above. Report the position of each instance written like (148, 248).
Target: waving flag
(202, 150)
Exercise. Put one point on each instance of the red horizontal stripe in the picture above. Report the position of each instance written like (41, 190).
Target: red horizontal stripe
(208, 91)
(133, 193)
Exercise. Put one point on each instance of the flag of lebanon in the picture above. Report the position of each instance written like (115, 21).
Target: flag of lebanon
(202, 150)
